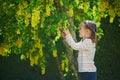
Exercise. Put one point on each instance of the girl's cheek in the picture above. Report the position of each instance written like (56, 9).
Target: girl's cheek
(80, 34)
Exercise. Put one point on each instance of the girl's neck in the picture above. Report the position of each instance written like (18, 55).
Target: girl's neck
(86, 38)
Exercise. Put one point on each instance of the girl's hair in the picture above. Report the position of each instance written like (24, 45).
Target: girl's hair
(91, 25)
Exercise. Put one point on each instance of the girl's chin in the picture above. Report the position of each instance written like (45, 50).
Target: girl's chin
(80, 36)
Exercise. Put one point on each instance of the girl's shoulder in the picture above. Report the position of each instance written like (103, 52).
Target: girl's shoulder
(88, 42)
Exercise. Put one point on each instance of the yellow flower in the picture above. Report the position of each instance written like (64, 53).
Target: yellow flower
(42, 21)
(59, 23)
(94, 10)
(20, 9)
(66, 63)
(19, 12)
(18, 31)
(70, 12)
(58, 32)
(11, 5)
(27, 18)
(41, 51)
(3, 48)
(54, 53)
(42, 70)
(63, 65)
(25, 4)
(35, 37)
(81, 6)
(61, 2)
(66, 69)
(77, 2)
(111, 19)
(86, 6)
(31, 61)
(19, 42)
(111, 12)
(103, 6)
(98, 24)
(47, 10)
(22, 57)
(35, 17)
(36, 59)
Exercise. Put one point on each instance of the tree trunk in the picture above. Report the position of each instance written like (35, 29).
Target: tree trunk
(72, 60)
(71, 57)
(60, 71)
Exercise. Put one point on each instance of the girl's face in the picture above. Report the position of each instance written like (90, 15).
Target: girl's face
(83, 31)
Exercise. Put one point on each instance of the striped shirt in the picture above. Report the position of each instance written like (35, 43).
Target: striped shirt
(86, 54)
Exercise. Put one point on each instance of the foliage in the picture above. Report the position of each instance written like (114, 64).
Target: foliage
(31, 28)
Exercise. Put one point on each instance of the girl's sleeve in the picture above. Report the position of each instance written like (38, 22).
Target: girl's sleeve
(85, 45)
(72, 43)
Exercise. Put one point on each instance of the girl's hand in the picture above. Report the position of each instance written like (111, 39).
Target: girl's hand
(64, 33)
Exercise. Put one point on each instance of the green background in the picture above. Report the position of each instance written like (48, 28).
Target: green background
(106, 59)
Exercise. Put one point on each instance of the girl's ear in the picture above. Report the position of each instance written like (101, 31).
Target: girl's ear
(87, 30)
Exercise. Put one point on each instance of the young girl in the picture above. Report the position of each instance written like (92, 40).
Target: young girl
(86, 48)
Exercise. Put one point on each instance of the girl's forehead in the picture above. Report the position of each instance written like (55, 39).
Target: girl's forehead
(82, 24)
